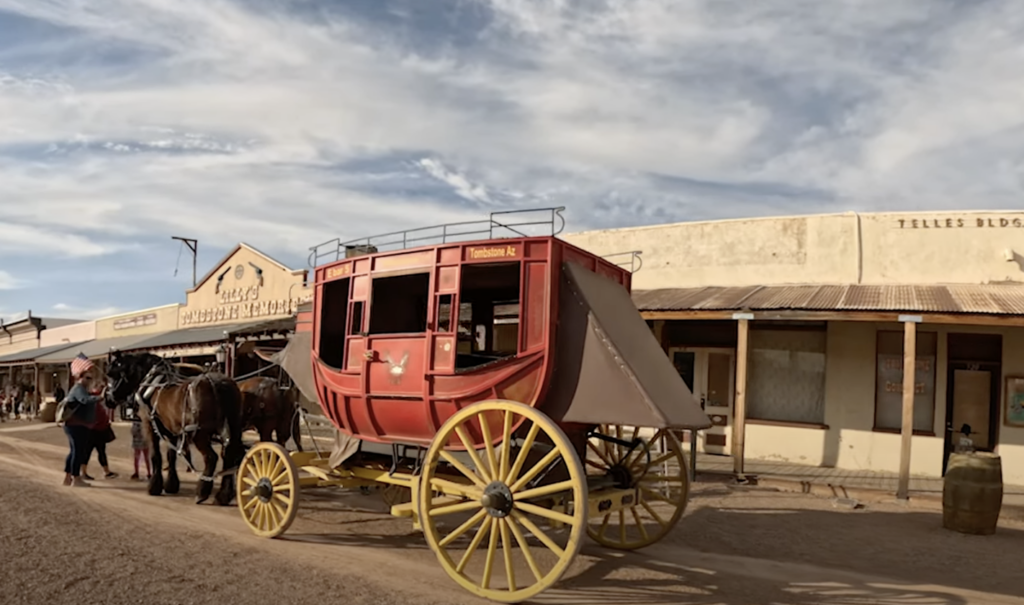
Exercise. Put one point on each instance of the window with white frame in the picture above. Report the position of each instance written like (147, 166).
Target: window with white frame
(786, 376)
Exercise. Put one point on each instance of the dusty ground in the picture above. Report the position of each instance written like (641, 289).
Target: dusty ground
(113, 544)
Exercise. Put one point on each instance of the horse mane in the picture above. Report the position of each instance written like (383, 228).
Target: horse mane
(181, 365)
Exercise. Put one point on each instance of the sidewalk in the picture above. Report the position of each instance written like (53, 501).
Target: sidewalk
(858, 485)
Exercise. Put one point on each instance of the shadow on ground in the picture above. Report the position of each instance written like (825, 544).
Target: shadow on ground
(754, 556)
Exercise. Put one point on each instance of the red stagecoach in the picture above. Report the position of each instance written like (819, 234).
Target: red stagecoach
(507, 386)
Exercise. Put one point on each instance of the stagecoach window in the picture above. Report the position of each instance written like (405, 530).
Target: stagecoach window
(488, 313)
(333, 317)
(444, 313)
(357, 319)
(399, 304)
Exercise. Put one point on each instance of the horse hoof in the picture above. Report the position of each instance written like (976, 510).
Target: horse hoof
(201, 499)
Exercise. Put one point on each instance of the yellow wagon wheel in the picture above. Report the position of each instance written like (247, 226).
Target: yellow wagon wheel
(268, 489)
(662, 479)
(497, 495)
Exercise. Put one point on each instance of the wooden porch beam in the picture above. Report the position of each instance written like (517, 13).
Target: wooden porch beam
(964, 319)
(739, 424)
(909, 378)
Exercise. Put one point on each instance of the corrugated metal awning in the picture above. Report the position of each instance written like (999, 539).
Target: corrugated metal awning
(283, 324)
(31, 355)
(191, 336)
(95, 348)
(987, 299)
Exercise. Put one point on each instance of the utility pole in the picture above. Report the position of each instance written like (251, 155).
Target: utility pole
(193, 245)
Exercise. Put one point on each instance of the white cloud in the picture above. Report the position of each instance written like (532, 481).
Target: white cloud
(225, 123)
(63, 310)
(9, 282)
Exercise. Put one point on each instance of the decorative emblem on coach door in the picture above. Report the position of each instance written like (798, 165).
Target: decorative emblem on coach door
(396, 370)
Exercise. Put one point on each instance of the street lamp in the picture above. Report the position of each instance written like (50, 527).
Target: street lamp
(221, 354)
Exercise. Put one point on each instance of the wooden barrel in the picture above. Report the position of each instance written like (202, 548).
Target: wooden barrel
(48, 412)
(972, 493)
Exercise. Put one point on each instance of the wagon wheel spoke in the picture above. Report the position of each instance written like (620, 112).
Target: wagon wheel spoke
(506, 545)
(661, 488)
(517, 486)
(475, 544)
(524, 547)
(465, 470)
(506, 450)
(457, 533)
(536, 470)
(523, 452)
(475, 457)
(539, 533)
(492, 459)
(602, 455)
(492, 549)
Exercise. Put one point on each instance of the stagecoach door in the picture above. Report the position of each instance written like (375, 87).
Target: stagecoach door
(710, 375)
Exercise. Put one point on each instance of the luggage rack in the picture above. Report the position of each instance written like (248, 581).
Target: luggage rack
(633, 261)
(496, 226)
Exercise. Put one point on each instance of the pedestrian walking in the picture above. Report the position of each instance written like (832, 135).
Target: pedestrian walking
(100, 434)
(78, 414)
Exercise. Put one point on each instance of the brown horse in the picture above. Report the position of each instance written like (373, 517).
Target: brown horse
(182, 404)
(272, 411)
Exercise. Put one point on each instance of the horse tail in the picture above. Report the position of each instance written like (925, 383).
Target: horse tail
(230, 398)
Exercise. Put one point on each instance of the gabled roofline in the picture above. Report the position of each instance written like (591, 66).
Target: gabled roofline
(234, 251)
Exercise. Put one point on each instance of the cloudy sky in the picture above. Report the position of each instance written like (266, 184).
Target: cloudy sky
(284, 123)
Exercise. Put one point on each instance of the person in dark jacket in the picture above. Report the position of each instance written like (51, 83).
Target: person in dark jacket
(100, 434)
(78, 426)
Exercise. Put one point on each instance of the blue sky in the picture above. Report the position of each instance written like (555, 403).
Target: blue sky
(284, 123)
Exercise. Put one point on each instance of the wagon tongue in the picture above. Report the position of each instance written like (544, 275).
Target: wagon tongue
(610, 369)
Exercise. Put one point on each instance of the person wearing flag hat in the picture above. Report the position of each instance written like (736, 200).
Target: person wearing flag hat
(78, 425)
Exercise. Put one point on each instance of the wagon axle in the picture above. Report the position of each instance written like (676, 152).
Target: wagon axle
(497, 500)
(264, 490)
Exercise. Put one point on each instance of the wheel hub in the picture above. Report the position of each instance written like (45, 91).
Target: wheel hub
(497, 499)
(264, 490)
(622, 476)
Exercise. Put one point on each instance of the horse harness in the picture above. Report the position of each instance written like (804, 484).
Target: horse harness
(144, 395)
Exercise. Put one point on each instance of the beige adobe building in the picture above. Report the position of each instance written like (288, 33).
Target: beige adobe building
(247, 295)
(791, 331)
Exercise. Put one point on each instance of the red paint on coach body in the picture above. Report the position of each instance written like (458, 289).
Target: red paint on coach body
(400, 388)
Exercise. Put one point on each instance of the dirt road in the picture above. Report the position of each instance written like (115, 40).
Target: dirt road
(113, 544)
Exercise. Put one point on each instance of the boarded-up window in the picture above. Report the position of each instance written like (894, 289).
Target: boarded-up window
(786, 380)
(889, 381)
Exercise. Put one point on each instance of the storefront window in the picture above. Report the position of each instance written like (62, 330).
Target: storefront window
(889, 381)
(786, 381)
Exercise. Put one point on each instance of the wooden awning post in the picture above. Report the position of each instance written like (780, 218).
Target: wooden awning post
(739, 425)
(909, 379)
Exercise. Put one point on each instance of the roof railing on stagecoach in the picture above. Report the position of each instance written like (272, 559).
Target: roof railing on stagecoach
(496, 226)
(632, 261)
(491, 228)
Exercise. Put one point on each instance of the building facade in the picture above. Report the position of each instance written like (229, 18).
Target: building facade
(791, 332)
(247, 295)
